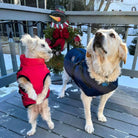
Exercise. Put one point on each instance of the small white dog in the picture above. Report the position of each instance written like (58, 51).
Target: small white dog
(95, 70)
(34, 80)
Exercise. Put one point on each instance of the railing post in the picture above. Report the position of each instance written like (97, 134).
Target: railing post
(30, 28)
(135, 56)
(2, 63)
(21, 32)
(39, 30)
(12, 46)
(88, 33)
(45, 4)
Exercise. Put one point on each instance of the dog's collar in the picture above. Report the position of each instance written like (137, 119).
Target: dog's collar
(105, 84)
(31, 61)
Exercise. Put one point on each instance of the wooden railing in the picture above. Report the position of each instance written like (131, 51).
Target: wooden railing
(11, 14)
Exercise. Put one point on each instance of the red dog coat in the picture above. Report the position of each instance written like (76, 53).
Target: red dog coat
(35, 71)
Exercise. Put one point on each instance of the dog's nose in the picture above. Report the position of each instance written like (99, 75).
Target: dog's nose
(98, 40)
(50, 51)
(98, 35)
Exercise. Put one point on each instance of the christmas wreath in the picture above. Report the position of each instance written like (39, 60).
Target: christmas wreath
(57, 37)
(57, 34)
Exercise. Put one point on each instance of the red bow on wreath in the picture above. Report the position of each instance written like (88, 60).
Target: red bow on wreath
(60, 35)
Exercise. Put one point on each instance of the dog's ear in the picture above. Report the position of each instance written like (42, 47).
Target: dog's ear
(89, 49)
(88, 54)
(36, 37)
(26, 39)
(123, 52)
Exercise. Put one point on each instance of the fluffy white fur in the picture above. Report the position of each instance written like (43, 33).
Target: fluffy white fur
(103, 67)
(37, 48)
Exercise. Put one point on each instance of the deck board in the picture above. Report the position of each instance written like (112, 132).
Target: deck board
(68, 115)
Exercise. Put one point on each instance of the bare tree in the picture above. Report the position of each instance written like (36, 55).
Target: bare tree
(101, 4)
(79, 5)
(90, 6)
(107, 5)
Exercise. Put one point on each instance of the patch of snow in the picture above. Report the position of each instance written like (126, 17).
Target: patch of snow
(67, 93)
(4, 118)
(78, 130)
(6, 115)
(132, 31)
(74, 90)
(57, 88)
(127, 81)
(56, 106)
(7, 90)
(22, 131)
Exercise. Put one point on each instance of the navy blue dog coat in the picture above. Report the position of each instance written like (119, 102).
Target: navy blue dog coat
(78, 71)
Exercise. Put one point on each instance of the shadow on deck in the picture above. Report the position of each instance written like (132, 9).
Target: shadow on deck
(68, 115)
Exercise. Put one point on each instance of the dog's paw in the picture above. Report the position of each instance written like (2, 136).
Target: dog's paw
(102, 118)
(61, 95)
(32, 95)
(89, 128)
(50, 124)
(39, 100)
(31, 132)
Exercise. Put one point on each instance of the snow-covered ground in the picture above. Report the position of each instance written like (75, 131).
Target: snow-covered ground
(57, 88)
(7, 90)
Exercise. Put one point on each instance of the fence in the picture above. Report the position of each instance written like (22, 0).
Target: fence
(10, 14)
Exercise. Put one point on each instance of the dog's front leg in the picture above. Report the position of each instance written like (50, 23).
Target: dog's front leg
(43, 94)
(87, 109)
(28, 87)
(102, 103)
(65, 79)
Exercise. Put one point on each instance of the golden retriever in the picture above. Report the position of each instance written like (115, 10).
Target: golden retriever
(102, 58)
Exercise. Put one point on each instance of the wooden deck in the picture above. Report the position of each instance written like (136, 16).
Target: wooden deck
(67, 113)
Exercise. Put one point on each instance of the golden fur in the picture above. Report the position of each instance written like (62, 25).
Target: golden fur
(101, 65)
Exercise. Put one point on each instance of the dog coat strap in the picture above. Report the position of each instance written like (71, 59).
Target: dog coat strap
(45, 77)
(20, 76)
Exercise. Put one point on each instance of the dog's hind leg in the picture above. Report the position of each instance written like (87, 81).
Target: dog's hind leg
(46, 115)
(32, 115)
(65, 79)
(87, 110)
(102, 103)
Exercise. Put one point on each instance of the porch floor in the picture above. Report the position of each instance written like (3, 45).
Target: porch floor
(68, 115)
